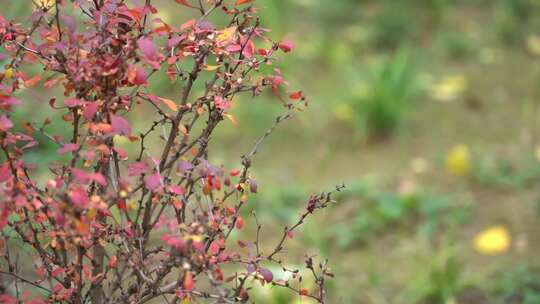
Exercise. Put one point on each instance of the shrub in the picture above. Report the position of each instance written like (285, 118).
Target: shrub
(105, 226)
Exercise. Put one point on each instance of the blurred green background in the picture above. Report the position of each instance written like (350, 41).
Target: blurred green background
(428, 111)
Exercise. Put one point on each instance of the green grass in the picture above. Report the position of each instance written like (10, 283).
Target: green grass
(391, 88)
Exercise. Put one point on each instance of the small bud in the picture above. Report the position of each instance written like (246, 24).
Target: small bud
(253, 186)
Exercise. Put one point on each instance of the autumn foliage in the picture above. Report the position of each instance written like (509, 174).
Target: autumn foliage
(105, 225)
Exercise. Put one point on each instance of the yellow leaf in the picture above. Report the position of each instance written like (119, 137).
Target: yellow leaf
(46, 3)
(8, 73)
(186, 300)
(458, 161)
(169, 103)
(120, 140)
(91, 214)
(211, 67)
(493, 240)
(226, 34)
(231, 118)
(183, 129)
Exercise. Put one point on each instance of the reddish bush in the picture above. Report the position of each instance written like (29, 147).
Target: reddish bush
(106, 228)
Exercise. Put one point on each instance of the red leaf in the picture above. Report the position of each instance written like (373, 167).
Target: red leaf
(296, 95)
(4, 217)
(68, 148)
(136, 75)
(240, 2)
(189, 284)
(185, 3)
(113, 261)
(122, 204)
(32, 81)
(120, 125)
(57, 272)
(239, 223)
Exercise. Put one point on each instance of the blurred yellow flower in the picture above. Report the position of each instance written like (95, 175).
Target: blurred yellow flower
(343, 112)
(449, 88)
(493, 240)
(533, 43)
(419, 165)
(537, 153)
(458, 161)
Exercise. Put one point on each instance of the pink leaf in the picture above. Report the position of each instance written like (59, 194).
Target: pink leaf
(85, 177)
(79, 197)
(222, 103)
(120, 125)
(177, 190)
(147, 47)
(70, 23)
(137, 168)
(98, 178)
(90, 110)
(5, 123)
(267, 275)
(7, 299)
(286, 46)
(5, 172)
(57, 272)
(152, 181)
(253, 186)
(122, 154)
(67, 148)
(184, 166)
(73, 102)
